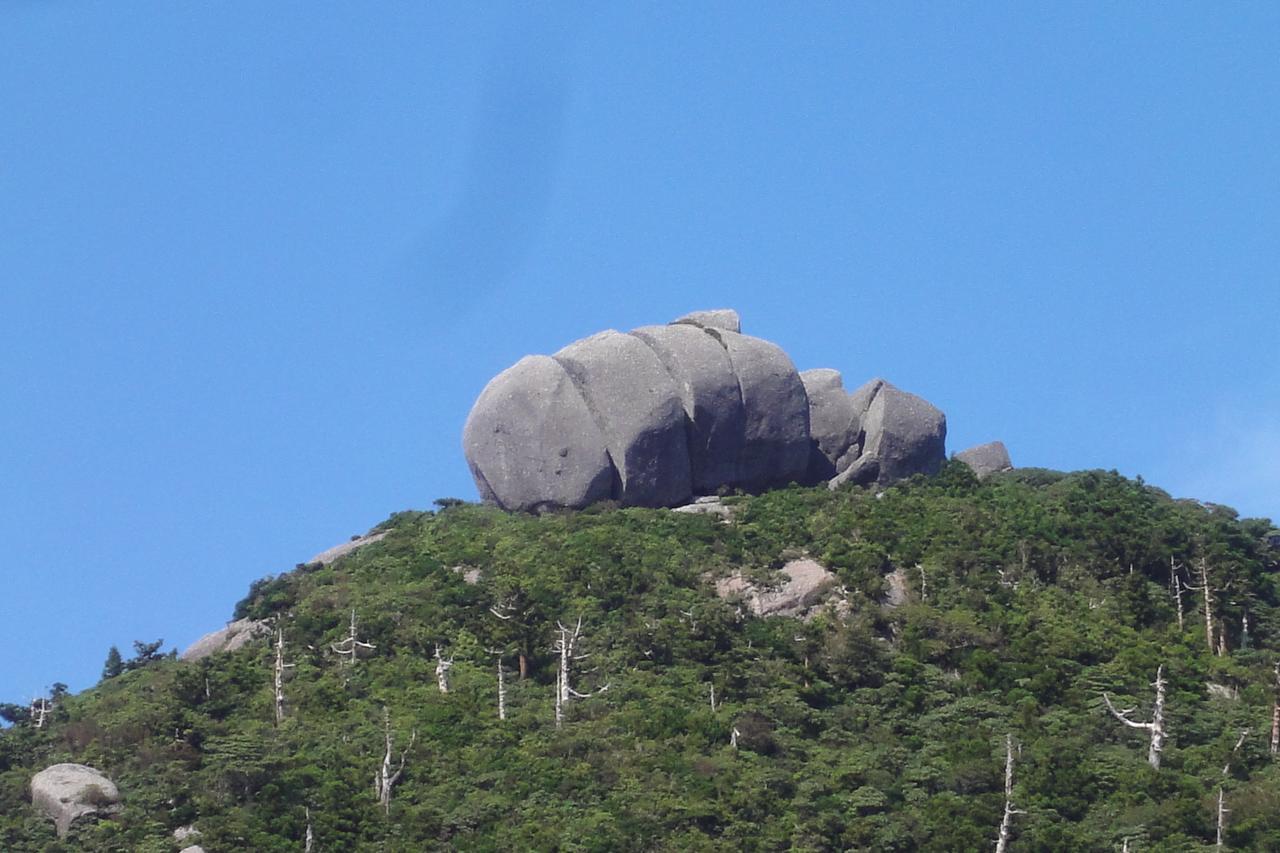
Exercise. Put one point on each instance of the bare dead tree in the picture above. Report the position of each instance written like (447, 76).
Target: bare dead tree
(566, 646)
(505, 612)
(733, 737)
(1175, 583)
(1207, 590)
(309, 839)
(280, 668)
(1156, 726)
(502, 683)
(385, 779)
(924, 582)
(1223, 811)
(1275, 715)
(1006, 824)
(442, 670)
(40, 711)
(351, 646)
(713, 697)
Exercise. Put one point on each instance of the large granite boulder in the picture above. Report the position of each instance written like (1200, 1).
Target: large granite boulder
(833, 422)
(712, 401)
(986, 459)
(67, 792)
(776, 432)
(805, 586)
(900, 435)
(717, 318)
(638, 409)
(532, 442)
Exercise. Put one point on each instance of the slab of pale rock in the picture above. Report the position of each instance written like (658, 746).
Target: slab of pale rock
(636, 406)
(986, 459)
(337, 552)
(833, 420)
(712, 401)
(532, 442)
(776, 432)
(716, 318)
(805, 586)
(236, 635)
(66, 792)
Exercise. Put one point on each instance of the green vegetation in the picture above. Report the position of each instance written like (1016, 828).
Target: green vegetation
(883, 729)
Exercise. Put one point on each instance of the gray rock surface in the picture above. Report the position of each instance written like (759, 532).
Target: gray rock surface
(776, 432)
(986, 459)
(833, 420)
(806, 586)
(337, 552)
(716, 318)
(712, 401)
(638, 410)
(902, 435)
(235, 635)
(66, 792)
(532, 442)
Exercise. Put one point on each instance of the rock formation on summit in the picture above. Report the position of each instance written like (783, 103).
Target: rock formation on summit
(986, 459)
(658, 415)
(67, 792)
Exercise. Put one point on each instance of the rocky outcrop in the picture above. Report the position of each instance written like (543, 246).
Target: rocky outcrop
(805, 588)
(664, 413)
(986, 459)
(899, 435)
(67, 792)
(236, 635)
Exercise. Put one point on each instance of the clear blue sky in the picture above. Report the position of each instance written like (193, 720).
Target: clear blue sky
(257, 260)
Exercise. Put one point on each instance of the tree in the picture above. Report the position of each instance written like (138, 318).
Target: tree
(386, 778)
(1156, 726)
(114, 665)
(350, 647)
(1006, 824)
(144, 653)
(565, 647)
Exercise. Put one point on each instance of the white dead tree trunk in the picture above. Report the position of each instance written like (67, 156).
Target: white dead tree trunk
(385, 779)
(1175, 583)
(309, 839)
(39, 711)
(1208, 604)
(733, 737)
(713, 697)
(1223, 811)
(442, 670)
(566, 646)
(1006, 824)
(1156, 726)
(502, 683)
(1275, 715)
(351, 646)
(280, 668)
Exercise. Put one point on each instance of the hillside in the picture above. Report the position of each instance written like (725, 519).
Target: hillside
(970, 611)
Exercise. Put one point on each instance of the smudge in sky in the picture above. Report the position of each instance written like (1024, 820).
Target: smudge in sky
(512, 165)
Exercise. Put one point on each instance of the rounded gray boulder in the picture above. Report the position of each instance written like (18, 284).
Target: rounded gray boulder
(776, 432)
(638, 410)
(986, 459)
(900, 434)
(67, 792)
(532, 442)
(716, 318)
(708, 388)
(832, 421)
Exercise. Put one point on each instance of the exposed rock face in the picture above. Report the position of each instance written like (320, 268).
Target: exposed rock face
(236, 635)
(776, 433)
(806, 586)
(337, 552)
(833, 421)
(712, 401)
(656, 416)
(986, 459)
(901, 435)
(66, 792)
(531, 440)
(634, 401)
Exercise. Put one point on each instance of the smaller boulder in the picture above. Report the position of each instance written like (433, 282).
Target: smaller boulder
(986, 459)
(832, 422)
(716, 318)
(67, 792)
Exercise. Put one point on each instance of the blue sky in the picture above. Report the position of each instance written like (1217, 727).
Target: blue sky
(257, 260)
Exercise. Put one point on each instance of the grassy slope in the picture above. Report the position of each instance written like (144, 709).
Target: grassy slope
(881, 731)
